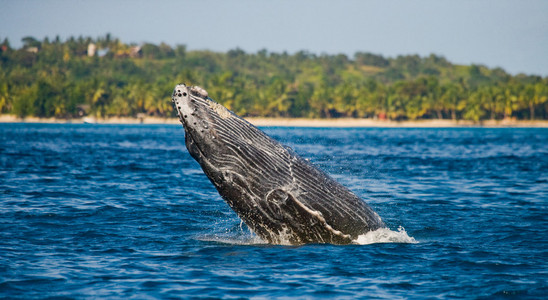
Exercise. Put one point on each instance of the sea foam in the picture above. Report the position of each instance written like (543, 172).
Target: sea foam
(385, 235)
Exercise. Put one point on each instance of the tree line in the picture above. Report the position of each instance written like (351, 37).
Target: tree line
(70, 78)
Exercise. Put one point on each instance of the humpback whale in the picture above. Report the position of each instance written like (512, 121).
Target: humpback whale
(280, 196)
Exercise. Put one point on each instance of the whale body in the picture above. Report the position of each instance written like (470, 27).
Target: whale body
(280, 196)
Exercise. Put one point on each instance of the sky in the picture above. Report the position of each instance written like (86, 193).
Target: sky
(509, 34)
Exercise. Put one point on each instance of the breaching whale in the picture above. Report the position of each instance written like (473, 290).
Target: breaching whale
(280, 196)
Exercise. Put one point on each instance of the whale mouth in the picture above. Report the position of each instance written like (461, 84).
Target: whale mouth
(194, 147)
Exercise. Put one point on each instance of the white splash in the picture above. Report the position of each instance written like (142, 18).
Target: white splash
(233, 240)
(240, 235)
(385, 235)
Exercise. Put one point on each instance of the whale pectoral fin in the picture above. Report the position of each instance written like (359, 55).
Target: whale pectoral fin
(306, 224)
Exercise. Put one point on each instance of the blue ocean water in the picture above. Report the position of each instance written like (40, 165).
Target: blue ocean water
(123, 211)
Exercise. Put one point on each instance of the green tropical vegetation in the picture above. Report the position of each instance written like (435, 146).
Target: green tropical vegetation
(67, 79)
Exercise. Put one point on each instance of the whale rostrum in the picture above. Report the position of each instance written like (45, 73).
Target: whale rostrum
(280, 196)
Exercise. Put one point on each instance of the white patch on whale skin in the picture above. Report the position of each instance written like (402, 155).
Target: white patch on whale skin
(216, 107)
(318, 215)
(199, 91)
(220, 110)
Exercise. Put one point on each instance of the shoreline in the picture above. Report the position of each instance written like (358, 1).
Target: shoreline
(293, 122)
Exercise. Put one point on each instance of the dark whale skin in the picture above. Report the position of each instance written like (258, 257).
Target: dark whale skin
(282, 197)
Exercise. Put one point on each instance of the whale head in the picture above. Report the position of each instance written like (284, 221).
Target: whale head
(199, 115)
(219, 140)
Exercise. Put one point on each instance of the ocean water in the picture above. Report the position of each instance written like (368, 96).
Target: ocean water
(123, 211)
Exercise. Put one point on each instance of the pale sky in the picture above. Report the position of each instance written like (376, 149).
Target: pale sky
(498, 33)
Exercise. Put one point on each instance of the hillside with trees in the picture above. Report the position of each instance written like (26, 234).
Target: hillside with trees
(104, 77)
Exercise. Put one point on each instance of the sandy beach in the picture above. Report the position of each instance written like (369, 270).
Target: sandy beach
(293, 122)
